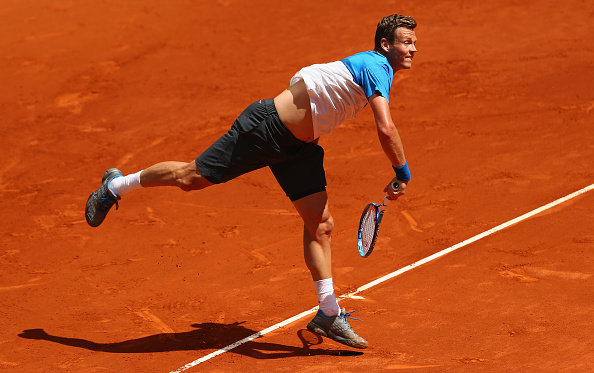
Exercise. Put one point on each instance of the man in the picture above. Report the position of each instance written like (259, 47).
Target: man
(282, 133)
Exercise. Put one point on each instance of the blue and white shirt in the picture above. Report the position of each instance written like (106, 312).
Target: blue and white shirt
(339, 90)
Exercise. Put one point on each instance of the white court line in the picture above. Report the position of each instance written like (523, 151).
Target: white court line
(389, 276)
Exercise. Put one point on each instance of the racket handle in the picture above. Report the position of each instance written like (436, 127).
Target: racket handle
(395, 186)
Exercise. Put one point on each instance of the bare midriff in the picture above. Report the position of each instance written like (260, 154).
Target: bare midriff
(294, 110)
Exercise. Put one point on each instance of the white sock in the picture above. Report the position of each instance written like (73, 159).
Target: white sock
(125, 184)
(326, 297)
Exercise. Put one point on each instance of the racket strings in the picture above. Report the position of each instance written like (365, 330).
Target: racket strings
(368, 229)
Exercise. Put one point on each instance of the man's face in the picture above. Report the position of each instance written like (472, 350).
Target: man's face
(401, 52)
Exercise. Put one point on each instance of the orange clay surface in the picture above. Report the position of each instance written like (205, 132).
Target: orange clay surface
(497, 119)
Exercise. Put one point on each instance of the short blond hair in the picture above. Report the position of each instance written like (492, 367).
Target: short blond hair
(386, 28)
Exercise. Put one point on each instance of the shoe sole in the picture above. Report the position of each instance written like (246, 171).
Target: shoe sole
(110, 173)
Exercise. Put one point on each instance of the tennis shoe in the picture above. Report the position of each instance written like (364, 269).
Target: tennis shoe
(337, 328)
(101, 200)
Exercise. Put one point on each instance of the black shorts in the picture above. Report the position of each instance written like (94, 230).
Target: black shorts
(258, 138)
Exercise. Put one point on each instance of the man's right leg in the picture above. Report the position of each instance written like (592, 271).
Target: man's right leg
(229, 156)
(184, 175)
(114, 185)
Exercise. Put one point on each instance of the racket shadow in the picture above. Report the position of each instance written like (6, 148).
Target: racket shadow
(267, 350)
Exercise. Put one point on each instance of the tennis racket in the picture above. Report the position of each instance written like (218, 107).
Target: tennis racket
(370, 223)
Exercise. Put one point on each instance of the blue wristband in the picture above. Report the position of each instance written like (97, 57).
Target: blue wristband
(402, 172)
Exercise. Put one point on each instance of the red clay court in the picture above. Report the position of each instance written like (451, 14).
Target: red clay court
(496, 116)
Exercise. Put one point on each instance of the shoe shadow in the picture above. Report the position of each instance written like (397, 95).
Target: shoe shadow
(205, 336)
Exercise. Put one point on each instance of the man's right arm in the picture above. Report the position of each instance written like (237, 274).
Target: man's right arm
(389, 139)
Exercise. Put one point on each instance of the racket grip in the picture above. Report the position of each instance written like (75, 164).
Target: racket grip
(395, 186)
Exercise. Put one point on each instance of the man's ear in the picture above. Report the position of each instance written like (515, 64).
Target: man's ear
(385, 44)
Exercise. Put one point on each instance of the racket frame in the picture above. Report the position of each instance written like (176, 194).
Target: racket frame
(379, 214)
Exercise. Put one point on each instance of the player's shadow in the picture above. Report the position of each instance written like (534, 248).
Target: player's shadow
(206, 336)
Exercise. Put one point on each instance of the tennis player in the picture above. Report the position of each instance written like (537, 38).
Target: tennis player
(282, 133)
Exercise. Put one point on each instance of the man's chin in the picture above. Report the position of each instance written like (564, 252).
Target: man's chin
(406, 64)
(403, 66)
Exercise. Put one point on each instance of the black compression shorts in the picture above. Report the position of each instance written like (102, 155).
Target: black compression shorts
(258, 138)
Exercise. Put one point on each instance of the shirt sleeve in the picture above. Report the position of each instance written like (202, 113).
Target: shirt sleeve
(375, 79)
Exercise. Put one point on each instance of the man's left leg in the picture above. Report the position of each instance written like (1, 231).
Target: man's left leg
(330, 320)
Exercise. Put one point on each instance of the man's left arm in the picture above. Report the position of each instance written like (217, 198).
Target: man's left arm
(391, 143)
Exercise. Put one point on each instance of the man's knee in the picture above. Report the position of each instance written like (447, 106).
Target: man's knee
(327, 225)
(316, 215)
(189, 178)
(324, 227)
(186, 184)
